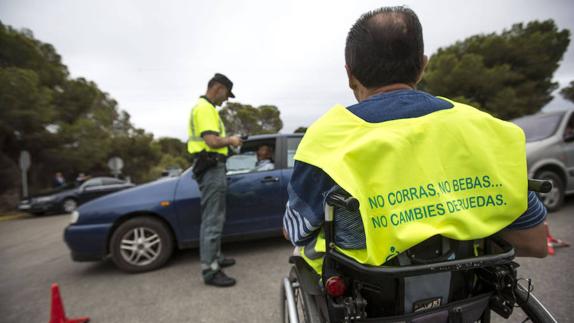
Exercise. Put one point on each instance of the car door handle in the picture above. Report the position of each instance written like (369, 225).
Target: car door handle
(270, 179)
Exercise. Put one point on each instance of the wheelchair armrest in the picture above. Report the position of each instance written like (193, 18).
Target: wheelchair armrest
(412, 270)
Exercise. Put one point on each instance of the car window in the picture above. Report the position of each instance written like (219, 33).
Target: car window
(292, 144)
(93, 182)
(241, 163)
(111, 181)
(248, 162)
(539, 127)
(569, 130)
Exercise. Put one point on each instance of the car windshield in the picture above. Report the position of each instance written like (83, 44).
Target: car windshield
(539, 127)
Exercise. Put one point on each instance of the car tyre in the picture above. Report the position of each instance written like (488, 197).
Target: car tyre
(69, 205)
(554, 199)
(141, 244)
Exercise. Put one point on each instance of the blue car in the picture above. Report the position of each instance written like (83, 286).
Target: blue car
(140, 227)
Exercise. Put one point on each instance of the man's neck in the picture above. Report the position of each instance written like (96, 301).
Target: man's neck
(209, 99)
(366, 93)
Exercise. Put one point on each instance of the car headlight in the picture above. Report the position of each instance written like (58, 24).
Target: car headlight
(44, 199)
(74, 217)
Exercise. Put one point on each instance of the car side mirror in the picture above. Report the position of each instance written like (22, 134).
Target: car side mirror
(569, 137)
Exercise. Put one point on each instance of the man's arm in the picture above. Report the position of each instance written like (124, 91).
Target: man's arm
(208, 126)
(215, 141)
(304, 212)
(527, 234)
(528, 242)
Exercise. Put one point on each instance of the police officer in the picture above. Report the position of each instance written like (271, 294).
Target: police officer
(463, 171)
(208, 145)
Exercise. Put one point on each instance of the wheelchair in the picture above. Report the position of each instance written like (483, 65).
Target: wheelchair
(438, 280)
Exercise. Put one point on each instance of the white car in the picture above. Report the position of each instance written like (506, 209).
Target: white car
(550, 152)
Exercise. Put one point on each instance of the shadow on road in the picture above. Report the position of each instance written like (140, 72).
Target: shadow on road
(237, 249)
(188, 256)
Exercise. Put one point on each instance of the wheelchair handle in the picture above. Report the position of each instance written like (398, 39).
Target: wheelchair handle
(540, 186)
(343, 200)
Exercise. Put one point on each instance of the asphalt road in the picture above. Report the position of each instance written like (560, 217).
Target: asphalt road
(33, 256)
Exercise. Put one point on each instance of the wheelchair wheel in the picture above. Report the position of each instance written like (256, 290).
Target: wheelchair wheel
(296, 306)
(532, 307)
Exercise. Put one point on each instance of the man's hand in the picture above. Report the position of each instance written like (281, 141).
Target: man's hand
(285, 234)
(234, 141)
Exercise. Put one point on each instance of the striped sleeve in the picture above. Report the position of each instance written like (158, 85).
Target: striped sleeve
(534, 215)
(304, 211)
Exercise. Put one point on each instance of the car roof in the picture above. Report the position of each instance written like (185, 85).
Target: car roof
(105, 177)
(275, 135)
(545, 113)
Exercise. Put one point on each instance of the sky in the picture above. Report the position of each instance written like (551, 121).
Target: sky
(155, 57)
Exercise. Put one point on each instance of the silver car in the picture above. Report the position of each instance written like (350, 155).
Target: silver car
(550, 152)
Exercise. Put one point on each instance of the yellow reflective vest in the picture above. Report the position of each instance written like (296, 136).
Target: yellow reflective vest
(458, 172)
(204, 117)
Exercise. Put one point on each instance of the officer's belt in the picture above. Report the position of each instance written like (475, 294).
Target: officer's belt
(217, 156)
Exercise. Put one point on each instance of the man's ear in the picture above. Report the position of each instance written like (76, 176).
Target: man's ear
(423, 67)
(351, 79)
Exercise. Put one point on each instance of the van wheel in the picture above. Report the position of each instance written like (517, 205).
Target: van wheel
(141, 244)
(554, 199)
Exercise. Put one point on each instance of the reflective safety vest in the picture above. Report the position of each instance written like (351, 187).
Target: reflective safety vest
(458, 172)
(204, 117)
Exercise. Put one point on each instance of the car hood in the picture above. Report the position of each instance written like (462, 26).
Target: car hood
(135, 198)
(535, 146)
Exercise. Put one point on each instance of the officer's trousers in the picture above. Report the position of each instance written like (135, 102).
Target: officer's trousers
(213, 188)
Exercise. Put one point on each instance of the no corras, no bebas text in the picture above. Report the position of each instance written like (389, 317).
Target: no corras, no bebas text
(429, 190)
(440, 208)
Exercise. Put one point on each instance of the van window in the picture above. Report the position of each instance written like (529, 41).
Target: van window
(539, 127)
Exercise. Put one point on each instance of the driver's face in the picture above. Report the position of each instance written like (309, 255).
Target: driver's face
(264, 152)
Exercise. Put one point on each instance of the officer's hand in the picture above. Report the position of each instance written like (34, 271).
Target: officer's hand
(234, 141)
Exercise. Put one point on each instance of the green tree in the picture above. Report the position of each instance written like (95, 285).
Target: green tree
(507, 74)
(248, 120)
(568, 92)
(300, 130)
(172, 146)
(66, 124)
(139, 152)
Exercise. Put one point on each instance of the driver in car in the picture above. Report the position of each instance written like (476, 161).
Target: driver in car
(264, 159)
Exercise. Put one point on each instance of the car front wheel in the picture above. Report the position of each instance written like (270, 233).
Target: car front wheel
(69, 205)
(141, 244)
(554, 199)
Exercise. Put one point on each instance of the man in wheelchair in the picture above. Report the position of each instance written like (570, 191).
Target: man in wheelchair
(442, 194)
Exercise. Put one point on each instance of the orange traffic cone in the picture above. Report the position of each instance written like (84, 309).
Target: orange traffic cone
(58, 315)
(556, 243)
(549, 240)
